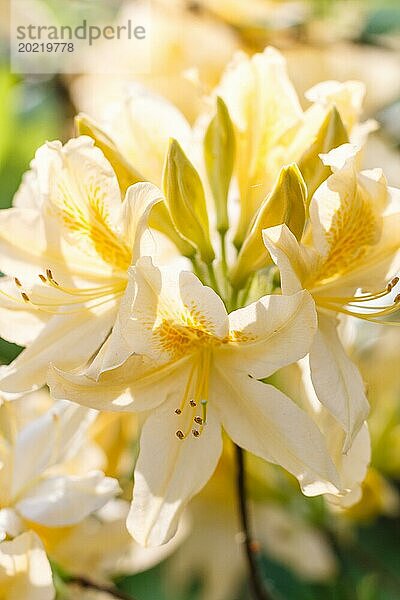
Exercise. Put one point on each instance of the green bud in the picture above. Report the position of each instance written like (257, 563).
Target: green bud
(331, 134)
(185, 199)
(160, 219)
(124, 171)
(219, 156)
(285, 204)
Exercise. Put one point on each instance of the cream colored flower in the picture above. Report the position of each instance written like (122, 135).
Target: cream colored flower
(47, 475)
(25, 572)
(100, 547)
(352, 244)
(66, 246)
(271, 128)
(193, 368)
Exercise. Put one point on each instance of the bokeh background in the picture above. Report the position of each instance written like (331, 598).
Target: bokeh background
(308, 551)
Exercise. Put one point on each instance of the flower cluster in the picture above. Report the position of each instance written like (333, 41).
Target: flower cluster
(197, 277)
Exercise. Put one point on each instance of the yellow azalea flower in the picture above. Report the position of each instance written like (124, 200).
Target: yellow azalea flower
(42, 480)
(271, 128)
(352, 243)
(66, 246)
(192, 368)
(25, 572)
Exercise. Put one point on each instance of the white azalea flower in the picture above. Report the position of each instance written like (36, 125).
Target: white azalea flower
(25, 572)
(272, 130)
(352, 243)
(195, 368)
(66, 246)
(40, 481)
(109, 549)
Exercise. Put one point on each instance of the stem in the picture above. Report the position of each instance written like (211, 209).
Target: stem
(251, 547)
(111, 590)
(213, 279)
(222, 235)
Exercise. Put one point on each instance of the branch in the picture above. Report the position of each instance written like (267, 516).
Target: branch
(251, 547)
(111, 590)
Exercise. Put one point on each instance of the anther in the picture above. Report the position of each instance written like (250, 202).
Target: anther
(198, 420)
(42, 278)
(25, 297)
(195, 432)
(395, 281)
(179, 434)
(397, 299)
(50, 277)
(178, 411)
(17, 282)
(193, 403)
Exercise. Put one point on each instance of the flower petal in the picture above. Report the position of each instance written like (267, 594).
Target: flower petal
(293, 260)
(159, 298)
(59, 501)
(337, 381)
(54, 437)
(129, 387)
(264, 421)
(163, 487)
(25, 571)
(139, 200)
(18, 324)
(271, 333)
(141, 126)
(67, 340)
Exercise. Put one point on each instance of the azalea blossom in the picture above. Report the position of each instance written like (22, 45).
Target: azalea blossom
(66, 246)
(271, 128)
(352, 244)
(108, 549)
(41, 480)
(25, 571)
(194, 368)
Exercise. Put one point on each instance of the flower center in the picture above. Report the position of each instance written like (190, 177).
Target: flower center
(192, 411)
(89, 223)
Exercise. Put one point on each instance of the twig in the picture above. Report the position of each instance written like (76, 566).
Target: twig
(251, 547)
(111, 590)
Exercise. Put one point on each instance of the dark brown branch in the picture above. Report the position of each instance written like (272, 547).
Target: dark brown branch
(251, 547)
(111, 590)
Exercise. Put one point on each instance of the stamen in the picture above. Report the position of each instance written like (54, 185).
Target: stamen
(50, 277)
(179, 434)
(360, 307)
(178, 411)
(195, 432)
(42, 278)
(198, 420)
(204, 409)
(193, 403)
(17, 282)
(25, 297)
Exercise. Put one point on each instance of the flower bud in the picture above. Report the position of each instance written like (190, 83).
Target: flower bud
(219, 155)
(331, 134)
(126, 174)
(285, 204)
(185, 199)
(160, 219)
